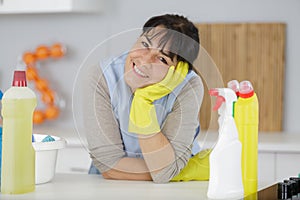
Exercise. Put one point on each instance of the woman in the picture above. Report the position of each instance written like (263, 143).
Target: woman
(143, 122)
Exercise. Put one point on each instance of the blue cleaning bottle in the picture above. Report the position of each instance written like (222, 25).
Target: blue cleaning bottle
(1, 94)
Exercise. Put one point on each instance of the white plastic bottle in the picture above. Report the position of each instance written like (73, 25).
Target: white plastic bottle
(18, 155)
(225, 180)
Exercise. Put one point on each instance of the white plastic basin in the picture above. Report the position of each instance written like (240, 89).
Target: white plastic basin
(45, 157)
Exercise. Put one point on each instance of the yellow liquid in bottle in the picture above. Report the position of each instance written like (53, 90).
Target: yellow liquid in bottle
(246, 119)
(18, 155)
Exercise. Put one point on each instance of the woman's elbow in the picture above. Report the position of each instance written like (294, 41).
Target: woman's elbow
(159, 181)
(160, 178)
(106, 175)
(167, 174)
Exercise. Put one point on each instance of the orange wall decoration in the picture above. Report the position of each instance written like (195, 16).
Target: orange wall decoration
(43, 52)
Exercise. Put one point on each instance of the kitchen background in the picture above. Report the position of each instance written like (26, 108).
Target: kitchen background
(81, 32)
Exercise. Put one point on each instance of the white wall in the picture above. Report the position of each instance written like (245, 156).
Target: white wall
(81, 32)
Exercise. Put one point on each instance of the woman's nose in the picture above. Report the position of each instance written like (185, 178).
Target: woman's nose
(149, 56)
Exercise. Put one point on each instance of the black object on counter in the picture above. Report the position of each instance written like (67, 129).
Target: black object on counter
(284, 191)
(297, 180)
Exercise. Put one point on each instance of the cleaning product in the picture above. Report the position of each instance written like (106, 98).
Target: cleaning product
(234, 85)
(18, 155)
(225, 180)
(246, 119)
(1, 94)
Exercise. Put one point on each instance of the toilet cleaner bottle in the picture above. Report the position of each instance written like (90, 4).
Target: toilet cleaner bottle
(18, 155)
(246, 115)
(225, 180)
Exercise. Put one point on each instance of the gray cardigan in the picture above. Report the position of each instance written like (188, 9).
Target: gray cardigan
(102, 130)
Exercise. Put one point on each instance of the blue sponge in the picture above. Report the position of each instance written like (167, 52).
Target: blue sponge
(48, 139)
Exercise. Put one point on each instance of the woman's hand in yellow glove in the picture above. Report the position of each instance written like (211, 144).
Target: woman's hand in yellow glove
(143, 118)
(197, 168)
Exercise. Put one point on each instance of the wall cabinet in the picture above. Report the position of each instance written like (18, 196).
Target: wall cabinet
(279, 156)
(276, 167)
(266, 167)
(287, 164)
(73, 160)
(49, 6)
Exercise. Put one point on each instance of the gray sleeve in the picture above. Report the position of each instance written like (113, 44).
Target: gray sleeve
(180, 127)
(102, 130)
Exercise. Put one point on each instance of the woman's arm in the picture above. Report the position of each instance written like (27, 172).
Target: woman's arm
(104, 139)
(129, 169)
(157, 152)
(167, 152)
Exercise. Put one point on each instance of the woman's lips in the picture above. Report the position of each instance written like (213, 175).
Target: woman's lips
(139, 72)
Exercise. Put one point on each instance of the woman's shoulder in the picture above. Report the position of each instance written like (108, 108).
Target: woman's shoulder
(195, 82)
(193, 88)
(113, 60)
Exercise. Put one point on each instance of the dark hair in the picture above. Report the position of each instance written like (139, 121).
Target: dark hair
(182, 34)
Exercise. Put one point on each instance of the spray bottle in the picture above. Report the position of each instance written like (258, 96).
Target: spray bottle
(246, 119)
(18, 155)
(235, 86)
(225, 180)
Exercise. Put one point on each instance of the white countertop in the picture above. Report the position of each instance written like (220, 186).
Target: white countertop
(280, 142)
(80, 186)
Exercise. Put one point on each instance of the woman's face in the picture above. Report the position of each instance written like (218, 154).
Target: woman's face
(146, 62)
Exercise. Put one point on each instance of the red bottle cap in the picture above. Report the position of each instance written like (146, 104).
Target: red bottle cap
(19, 79)
(246, 89)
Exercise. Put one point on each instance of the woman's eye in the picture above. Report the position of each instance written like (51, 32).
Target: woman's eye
(145, 44)
(163, 60)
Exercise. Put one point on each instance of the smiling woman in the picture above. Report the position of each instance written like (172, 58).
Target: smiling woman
(146, 63)
(143, 106)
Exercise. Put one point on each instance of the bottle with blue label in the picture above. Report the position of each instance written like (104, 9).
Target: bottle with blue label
(1, 94)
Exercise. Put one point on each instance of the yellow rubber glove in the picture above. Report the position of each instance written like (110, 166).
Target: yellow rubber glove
(197, 168)
(142, 119)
